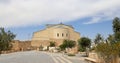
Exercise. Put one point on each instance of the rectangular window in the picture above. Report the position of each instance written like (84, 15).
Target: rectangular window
(57, 34)
(62, 34)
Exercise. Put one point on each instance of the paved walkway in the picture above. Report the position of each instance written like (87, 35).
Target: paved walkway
(76, 59)
(37, 57)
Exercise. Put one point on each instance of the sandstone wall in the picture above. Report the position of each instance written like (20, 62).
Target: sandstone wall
(21, 45)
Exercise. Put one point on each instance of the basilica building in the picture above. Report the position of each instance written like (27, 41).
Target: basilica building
(54, 32)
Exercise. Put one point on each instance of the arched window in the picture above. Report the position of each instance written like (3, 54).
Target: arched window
(57, 34)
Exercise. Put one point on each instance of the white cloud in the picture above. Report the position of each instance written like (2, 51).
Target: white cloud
(14, 13)
(94, 20)
(107, 15)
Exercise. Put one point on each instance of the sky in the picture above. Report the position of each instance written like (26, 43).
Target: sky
(89, 17)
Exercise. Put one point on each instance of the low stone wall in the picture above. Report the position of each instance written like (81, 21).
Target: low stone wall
(21, 45)
(101, 60)
(72, 50)
(93, 55)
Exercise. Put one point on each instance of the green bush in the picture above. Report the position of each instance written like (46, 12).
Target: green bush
(52, 44)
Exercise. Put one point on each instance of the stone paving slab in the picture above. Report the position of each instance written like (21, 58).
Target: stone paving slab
(38, 57)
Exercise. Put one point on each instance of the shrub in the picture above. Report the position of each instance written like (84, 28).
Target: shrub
(52, 44)
(108, 52)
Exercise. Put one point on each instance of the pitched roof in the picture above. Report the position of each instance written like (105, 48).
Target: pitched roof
(59, 25)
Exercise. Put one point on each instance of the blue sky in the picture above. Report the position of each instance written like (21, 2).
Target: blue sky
(89, 30)
(89, 17)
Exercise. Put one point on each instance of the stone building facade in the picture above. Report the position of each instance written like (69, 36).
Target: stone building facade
(54, 32)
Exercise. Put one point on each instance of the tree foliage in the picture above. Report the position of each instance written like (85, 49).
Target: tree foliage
(111, 38)
(67, 44)
(84, 42)
(5, 39)
(116, 29)
(98, 39)
(116, 24)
